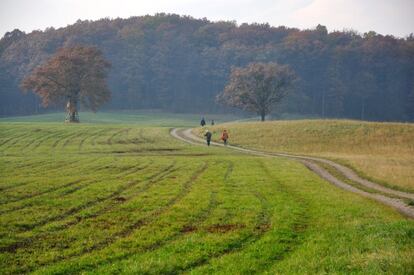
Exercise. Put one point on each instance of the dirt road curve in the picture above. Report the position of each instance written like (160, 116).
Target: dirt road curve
(387, 196)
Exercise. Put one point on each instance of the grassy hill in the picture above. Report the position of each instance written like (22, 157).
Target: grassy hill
(382, 151)
(127, 198)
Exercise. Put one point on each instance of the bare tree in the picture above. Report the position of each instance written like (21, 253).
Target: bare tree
(257, 87)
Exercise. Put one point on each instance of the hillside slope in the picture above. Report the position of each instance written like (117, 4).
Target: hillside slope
(382, 151)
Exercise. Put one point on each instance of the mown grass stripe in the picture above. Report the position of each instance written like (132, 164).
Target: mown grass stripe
(109, 140)
(196, 218)
(71, 211)
(151, 180)
(30, 196)
(129, 229)
(261, 227)
(90, 136)
(15, 141)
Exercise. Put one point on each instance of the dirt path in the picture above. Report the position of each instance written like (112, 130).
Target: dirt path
(387, 196)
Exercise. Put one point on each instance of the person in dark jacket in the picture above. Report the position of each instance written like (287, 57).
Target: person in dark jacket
(202, 122)
(208, 135)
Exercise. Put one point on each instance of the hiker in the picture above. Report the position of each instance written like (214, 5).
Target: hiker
(202, 122)
(225, 136)
(208, 137)
(212, 122)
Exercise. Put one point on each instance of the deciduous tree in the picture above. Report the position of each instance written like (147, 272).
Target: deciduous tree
(73, 75)
(257, 87)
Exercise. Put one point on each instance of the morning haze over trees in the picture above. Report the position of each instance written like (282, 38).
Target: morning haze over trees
(178, 63)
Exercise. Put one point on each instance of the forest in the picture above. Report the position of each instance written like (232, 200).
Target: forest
(180, 64)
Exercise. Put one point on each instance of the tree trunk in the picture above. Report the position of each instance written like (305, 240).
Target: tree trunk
(323, 104)
(72, 111)
(363, 109)
(262, 116)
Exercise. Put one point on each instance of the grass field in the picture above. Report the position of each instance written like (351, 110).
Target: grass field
(127, 198)
(151, 118)
(380, 151)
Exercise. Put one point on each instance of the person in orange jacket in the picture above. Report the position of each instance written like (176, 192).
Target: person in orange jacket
(225, 136)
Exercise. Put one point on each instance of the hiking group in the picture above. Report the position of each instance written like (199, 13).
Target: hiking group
(224, 135)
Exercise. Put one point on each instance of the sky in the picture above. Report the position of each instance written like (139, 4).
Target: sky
(393, 17)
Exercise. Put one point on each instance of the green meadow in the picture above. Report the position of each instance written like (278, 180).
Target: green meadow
(117, 194)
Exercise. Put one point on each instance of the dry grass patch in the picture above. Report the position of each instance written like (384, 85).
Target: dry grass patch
(382, 151)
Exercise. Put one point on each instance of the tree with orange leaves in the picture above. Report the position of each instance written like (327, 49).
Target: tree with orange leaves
(75, 75)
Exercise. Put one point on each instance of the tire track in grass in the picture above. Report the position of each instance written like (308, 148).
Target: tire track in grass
(39, 141)
(128, 171)
(12, 138)
(56, 166)
(55, 135)
(142, 137)
(8, 187)
(56, 142)
(227, 179)
(27, 164)
(290, 243)
(262, 226)
(129, 229)
(52, 189)
(199, 218)
(151, 180)
(94, 140)
(64, 140)
(229, 170)
(6, 131)
(125, 136)
(53, 219)
(30, 204)
(202, 216)
(96, 134)
(41, 171)
(109, 140)
(49, 190)
(298, 224)
(16, 140)
(35, 139)
(65, 136)
(80, 133)
(75, 166)
(37, 145)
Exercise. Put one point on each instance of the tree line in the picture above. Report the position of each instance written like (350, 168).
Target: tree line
(178, 63)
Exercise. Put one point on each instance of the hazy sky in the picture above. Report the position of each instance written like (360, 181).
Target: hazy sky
(383, 16)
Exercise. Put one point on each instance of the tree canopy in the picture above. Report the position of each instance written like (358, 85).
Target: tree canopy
(72, 75)
(178, 63)
(257, 87)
